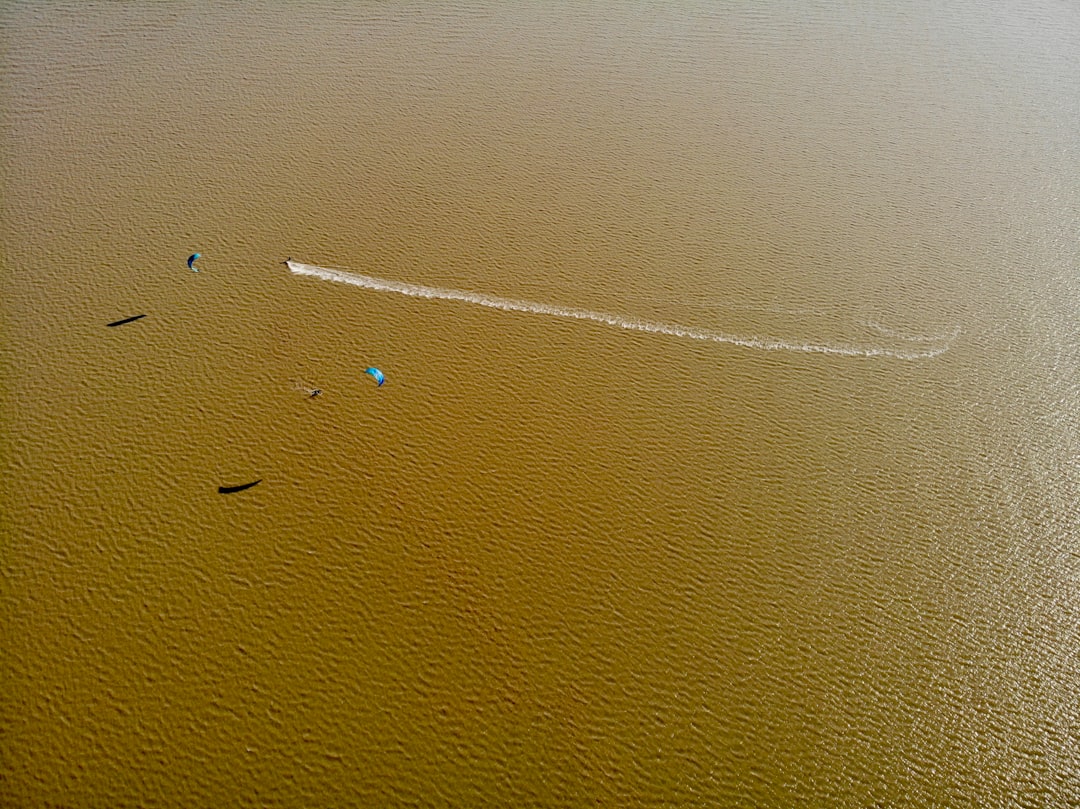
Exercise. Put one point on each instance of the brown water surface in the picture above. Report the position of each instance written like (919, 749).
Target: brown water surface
(730, 446)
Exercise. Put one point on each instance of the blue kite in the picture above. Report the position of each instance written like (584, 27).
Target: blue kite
(376, 374)
(191, 261)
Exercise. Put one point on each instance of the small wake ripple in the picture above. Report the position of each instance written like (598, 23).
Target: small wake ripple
(634, 324)
(910, 337)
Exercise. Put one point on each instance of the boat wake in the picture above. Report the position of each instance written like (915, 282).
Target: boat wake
(922, 351)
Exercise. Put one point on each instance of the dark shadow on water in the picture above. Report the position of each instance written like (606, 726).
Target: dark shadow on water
(240, 488)
(125, 320)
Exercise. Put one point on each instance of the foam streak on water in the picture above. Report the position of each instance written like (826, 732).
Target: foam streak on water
(620, 321)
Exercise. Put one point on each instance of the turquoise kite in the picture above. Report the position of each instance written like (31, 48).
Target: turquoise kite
(376, 374)
(191, 262)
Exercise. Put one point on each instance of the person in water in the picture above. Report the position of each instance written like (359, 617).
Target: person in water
(315, 392)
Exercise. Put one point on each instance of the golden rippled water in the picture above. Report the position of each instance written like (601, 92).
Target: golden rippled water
(729, 449)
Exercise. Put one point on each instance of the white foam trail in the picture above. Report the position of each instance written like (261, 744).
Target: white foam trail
(635, 324)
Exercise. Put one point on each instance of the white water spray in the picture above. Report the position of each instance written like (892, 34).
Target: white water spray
(634, 324)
